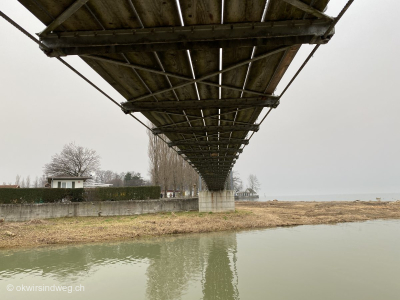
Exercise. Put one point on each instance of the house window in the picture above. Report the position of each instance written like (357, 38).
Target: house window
(59, 185)
(64, 185)
(73, 184)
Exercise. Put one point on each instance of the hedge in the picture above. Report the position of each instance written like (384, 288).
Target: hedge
(39, 195)
(48, 195)
(123, 193)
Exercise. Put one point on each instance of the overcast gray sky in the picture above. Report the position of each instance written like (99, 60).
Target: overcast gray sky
(336, 130)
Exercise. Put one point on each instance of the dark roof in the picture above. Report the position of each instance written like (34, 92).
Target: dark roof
(68, 178)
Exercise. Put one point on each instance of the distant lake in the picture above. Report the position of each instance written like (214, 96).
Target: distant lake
(338, 197)
(350, 261)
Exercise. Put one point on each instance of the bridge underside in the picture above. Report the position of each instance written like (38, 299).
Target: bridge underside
(200, 70)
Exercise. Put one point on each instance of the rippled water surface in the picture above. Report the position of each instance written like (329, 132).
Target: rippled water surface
(345, 261)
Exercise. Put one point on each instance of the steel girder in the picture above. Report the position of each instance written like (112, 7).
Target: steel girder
(187, 37)
(204, 129)
(209, 143)
(161, 106)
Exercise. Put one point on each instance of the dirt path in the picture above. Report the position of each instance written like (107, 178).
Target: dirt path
(248, 215)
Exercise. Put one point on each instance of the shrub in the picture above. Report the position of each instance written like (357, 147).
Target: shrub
(39, 195)
(123, 193)
(48, 195)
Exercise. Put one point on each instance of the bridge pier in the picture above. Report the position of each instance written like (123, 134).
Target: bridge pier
(216, 201)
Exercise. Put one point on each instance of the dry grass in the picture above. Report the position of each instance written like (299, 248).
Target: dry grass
(248, 215)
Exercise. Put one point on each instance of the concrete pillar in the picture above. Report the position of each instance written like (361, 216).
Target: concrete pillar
(216, 201)
(200, 184)
(195, 191)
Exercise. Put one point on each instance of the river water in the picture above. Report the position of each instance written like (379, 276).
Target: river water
(333, 197)
(344, 261)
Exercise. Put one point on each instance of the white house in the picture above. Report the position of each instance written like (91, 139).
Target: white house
(247, 194)
(66, 182)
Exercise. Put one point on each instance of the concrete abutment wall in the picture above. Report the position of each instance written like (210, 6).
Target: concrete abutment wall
(216, 201)
(26, 212)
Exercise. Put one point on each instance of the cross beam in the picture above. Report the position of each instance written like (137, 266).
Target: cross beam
(225, 160)
(210, 167)
(169, 74)
(213, 117)
(160, 106)
(213, 163)
(209, 143)
(216, 164)
(213, 167)
(213, 174)
(188, 37)
(308, 9)
(63, 17)
(220, 136)
(210, 171)
(204, 129)
(211, 152)
(213, 158)
(212, 74)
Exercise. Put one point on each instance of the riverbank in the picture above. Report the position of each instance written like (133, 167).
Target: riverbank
(248, 215)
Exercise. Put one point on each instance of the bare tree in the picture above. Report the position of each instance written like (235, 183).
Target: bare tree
(117, 180)
(180, 180)
(22, 183)
(36, 183)
(253, 183)
(104, 176)
(237, 182)
(167, 169)
(43, 181)
(73, 161)
(18, 180)
(28, 181)
(154, 157)
(191, 178)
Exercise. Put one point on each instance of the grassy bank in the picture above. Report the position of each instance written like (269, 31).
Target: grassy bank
(248, 215)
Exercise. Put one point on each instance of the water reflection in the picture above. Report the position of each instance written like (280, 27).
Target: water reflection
(220, 271)
(174, 265)
(203, 258)
(346, 261)
(68, 264)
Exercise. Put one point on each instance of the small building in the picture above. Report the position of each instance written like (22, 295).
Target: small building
(66, 182)
(9, 186)
(171, 193)
(246, 195)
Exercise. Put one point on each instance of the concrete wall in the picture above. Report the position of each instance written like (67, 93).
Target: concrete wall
(217, 201)
(26, 212)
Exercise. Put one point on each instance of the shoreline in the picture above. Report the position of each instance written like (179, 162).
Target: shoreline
(248, 215)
